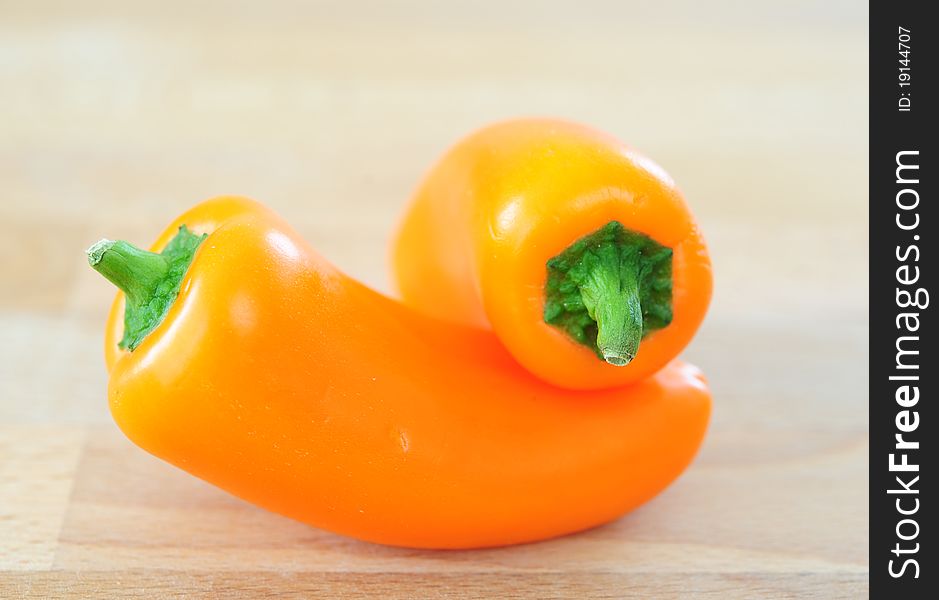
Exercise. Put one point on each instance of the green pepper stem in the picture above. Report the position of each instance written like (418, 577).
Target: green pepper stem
(149, 281)
(611, 295)
(608, 289)
(136, 272)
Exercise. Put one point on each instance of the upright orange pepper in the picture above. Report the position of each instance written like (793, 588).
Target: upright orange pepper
(252, 363)
(577, 251)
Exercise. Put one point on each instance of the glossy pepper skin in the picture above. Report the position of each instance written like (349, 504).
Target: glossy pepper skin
(289, 384)
(474, 244)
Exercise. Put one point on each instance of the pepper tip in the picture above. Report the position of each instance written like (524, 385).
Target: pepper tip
(616, 359)
(97, 250)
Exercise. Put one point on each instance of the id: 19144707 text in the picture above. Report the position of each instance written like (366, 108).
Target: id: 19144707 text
(905, 102)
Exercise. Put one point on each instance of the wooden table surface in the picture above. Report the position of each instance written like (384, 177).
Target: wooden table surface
(112, 122)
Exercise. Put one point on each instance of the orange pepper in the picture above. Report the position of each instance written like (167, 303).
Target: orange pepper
(475, 246)
(281, 380)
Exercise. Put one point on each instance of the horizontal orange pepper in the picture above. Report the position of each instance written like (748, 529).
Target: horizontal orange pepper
(281, 380)
(493, 230)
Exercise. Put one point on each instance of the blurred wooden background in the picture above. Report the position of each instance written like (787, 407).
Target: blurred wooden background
(115, 117)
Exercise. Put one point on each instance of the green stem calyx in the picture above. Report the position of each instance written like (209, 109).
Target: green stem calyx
(609, 289)
(150, 281)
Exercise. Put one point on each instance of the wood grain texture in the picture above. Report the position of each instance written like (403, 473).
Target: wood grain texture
(114, 119)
